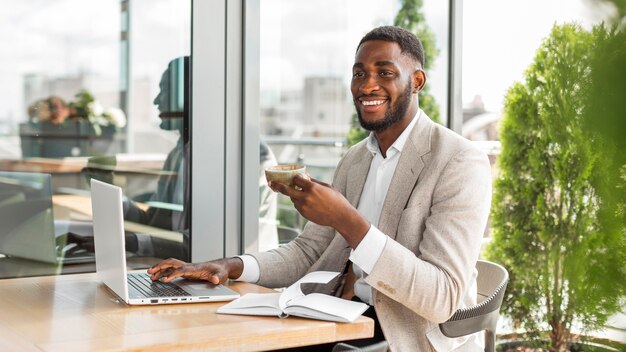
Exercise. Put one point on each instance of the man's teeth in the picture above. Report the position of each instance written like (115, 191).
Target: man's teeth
(372, 102)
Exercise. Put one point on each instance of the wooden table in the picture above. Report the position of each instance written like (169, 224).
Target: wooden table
(78, 313)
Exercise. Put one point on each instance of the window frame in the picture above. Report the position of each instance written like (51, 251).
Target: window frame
(225, 147)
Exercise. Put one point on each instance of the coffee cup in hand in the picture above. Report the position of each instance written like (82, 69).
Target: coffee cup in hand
(284, 173)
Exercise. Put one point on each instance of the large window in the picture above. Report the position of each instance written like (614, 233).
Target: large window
(94, 89)
(109, 93)
(306, 110)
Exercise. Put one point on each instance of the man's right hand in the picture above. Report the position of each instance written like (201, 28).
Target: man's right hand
(216, 271)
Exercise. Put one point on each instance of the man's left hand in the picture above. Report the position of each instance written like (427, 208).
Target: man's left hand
(322, 204)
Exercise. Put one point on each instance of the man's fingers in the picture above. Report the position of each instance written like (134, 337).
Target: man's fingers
(158, 267)
(171, 269)
(284, 189)
(219, 276)
(173, 275)
(321, 183)
(168, 263)
(162, 273)
(216, 278)
(304, 182)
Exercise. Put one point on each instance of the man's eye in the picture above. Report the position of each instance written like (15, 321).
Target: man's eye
(358, 74)
(386, 74)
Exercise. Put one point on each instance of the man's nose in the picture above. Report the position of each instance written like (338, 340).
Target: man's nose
(369, 85)
(156, 99)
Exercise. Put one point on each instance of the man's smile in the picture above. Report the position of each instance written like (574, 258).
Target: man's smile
(372, 104)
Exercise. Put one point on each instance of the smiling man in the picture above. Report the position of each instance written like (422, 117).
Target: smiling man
(403, 219)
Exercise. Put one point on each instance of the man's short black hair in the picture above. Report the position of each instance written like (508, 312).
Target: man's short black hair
(409, 43)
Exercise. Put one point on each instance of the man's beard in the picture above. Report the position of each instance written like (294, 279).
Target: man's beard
(394, 114)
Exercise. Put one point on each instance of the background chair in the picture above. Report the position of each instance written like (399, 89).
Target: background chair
(286, 234)
(492, 280)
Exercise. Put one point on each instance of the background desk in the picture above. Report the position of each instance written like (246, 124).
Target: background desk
(21, 268)
(136, 174)
(78, 313)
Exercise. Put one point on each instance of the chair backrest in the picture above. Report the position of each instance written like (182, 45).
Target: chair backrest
(491, 285)
(492, 278)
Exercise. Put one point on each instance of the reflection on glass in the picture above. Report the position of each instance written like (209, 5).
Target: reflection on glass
(77, 102)
(28, 227)
(166, 205)
(306, 65)
(80, 127)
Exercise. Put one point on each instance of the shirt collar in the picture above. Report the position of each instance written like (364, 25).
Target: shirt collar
(372, 143)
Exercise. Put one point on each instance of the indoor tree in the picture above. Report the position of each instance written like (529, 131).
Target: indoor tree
(565, 267)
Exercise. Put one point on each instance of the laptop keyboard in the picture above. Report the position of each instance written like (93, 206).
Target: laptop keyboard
(142, 283)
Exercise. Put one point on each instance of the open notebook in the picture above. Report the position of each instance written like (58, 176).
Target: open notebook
(293, 302)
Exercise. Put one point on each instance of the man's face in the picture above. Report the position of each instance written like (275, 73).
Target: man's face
(382, 84)
(162, 100)
(164, 104)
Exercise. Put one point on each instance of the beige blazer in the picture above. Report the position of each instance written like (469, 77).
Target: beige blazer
(435, 214)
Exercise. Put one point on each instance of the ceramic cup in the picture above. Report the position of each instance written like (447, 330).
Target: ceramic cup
(284, 173)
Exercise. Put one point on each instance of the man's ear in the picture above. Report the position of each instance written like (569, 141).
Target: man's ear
(419, 80)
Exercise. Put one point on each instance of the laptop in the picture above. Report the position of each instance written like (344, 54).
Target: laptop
(28, 227)
(137, 288)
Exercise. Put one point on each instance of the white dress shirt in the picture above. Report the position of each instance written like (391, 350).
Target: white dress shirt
(365, 256)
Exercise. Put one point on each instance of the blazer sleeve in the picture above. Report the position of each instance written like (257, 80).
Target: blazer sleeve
(283, 266)
(433, 281)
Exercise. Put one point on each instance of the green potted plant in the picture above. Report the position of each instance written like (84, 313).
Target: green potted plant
(58, 129)
(102, 121)
(566, 268)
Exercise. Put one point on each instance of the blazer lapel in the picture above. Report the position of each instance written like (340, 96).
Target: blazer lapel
(406, 175)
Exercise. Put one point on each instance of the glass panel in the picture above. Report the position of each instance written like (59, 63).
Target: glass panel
(307, 53)
(78, 102)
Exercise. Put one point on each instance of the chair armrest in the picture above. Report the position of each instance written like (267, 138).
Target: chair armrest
(482, 316)
(470, 325)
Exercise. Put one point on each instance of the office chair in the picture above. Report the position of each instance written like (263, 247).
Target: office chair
(491, 284)
(286, 234)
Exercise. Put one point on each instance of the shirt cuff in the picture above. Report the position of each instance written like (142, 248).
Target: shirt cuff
(251, 270)
(366, 254)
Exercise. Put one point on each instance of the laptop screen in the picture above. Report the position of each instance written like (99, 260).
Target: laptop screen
(26, 215)
(108, 228)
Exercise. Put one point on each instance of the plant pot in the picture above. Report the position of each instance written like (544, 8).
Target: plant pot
(72, 138)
